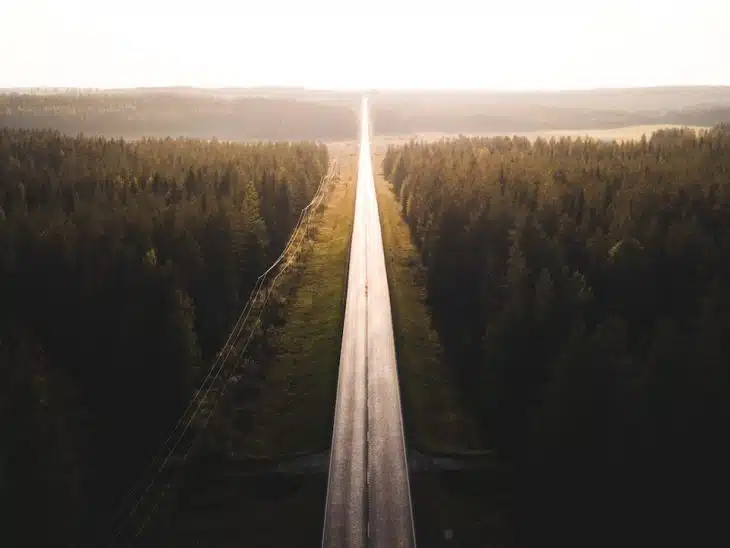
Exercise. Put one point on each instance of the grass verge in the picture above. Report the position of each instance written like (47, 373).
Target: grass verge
(294, 409)
(434, 415)
(469, 508)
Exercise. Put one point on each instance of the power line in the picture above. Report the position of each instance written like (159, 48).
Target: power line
(219, 363)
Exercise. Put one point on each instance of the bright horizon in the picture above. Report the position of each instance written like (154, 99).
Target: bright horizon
(377, 44)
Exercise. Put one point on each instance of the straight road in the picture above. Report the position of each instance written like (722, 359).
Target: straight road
(368, 495)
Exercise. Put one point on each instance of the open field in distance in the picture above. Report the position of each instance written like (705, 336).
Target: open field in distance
(629, 133)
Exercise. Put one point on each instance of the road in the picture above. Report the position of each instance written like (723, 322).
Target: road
(368, 495)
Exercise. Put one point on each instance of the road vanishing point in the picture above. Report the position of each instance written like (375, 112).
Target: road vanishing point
(368, 493)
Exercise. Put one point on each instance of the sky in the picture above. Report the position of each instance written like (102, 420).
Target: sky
(344, 44)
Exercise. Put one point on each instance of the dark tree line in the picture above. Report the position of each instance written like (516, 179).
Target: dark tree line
(583, 289)
(122, 268)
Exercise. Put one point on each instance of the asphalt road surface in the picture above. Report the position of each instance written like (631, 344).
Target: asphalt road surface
(368, 496)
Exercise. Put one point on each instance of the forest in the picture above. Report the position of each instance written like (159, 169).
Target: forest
(583, 290)
(123, 266)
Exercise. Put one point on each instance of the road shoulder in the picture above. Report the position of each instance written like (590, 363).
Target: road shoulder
(435, 417)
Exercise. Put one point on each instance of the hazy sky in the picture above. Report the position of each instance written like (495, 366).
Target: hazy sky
(520, 44)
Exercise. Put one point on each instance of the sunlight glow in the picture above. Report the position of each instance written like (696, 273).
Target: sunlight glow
(528, 44)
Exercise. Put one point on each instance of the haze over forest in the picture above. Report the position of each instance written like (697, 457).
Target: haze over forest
(243, 114)
(537, 355)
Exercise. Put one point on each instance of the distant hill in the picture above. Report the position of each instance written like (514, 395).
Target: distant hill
(271, 113)
(403, 112)
(299, 94)
(164, 112)
(406, 119)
